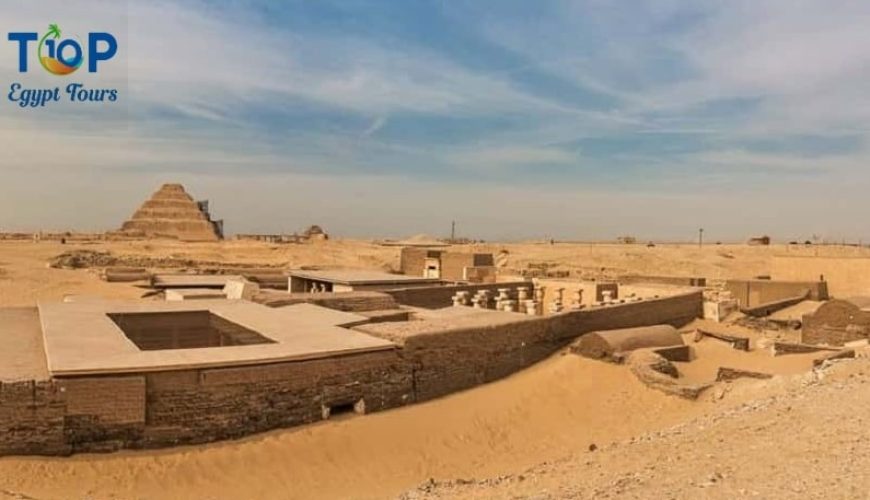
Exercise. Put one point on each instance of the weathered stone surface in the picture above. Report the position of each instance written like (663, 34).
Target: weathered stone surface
(344, 301)
(675, 353)
(164, 408)
(842, 354)
(171, 212)
(835, 323)
(780, 348)
(739, 343)
(32, 419)
(606, 344)
(241, 289)
(727, 374)
(658, 373)
(768, 308)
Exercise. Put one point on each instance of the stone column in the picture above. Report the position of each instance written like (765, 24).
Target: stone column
(556, 305)
(484, 298)
(502, 297)
(531, 307)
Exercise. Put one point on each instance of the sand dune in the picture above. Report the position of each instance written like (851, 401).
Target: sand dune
(559, 406)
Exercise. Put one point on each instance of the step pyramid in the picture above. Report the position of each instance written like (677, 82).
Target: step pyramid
(172, 213)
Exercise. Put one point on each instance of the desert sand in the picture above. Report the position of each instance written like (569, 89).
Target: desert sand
(528, 435)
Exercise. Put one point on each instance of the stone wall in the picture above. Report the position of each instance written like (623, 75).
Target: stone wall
(453, 265)
(103, 413)
(441, 296)
(630, 279)
(206, 405)
(751, 293)
(676, 310)
(344, 301)
(32, 419)
(461, 358)
(412, 260)
(88, 414)
(97, 414)
(464, 352)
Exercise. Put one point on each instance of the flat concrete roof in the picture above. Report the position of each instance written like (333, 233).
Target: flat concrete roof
(22, 356)
(81, 339)
(439, 321)
(361, 277)
(192, 280)
(194, 293)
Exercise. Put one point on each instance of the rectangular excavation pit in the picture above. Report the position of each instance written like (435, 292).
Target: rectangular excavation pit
(100, 337)
(155, 331)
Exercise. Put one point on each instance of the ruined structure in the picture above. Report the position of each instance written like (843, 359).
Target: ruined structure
(835, 323)
(754, 293)
(448, 265)
(98, 375)
(313, 233)
(615, 344)
(172, 213)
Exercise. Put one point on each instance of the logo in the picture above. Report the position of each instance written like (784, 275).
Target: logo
(62, 56)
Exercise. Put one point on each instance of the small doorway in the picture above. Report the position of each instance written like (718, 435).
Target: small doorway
(433, 269)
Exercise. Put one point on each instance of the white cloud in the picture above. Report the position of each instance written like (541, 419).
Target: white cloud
(804, 62)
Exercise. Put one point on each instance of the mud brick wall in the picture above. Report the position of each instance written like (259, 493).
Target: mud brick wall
(676, 310)
(206, 405)
(32, 419)
(193, 406)
(344, 301)
(442, 296)
(630, 279)
(481, 274)
(103, 413)
(751, 293)
(453, 265)
(412, 261)
(461, 358)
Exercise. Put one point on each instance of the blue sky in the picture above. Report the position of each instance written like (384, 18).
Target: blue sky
(566, 119)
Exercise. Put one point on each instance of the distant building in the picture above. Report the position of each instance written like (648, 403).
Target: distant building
(760, 240)
(447, 265)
